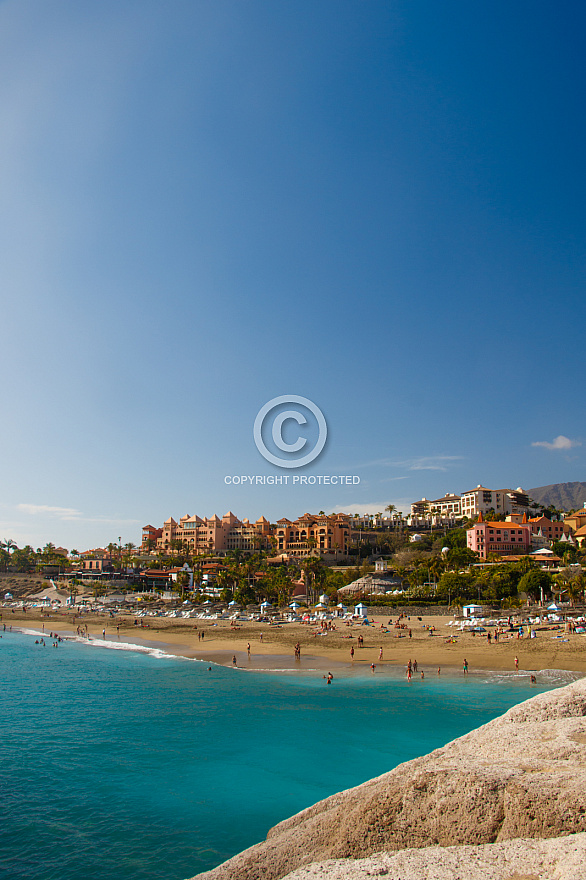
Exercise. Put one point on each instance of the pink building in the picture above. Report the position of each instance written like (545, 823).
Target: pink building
(504, 538)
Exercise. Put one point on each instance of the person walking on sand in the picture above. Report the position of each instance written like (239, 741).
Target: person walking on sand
(380, 654)
(465, 667)
(352, 652)
(248, 649)
(234, 660)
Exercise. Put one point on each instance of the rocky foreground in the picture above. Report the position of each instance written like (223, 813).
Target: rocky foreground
(517, 784)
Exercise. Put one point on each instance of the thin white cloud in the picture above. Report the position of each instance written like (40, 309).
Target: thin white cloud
(422, 463)
(428, 463)
(560, 443)
(110, 520)
(70, 514)
(61, 512)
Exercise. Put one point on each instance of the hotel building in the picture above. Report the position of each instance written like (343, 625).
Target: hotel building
(504, 538)
(320, 533)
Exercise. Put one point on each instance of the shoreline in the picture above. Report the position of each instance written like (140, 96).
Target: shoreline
(177, 638)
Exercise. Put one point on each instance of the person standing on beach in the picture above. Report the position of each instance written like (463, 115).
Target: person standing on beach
(380, 654)
(352, 652)
(516, 663)
(465, 668)
(248, 648)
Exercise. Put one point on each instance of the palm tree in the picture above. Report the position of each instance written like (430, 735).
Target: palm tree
(312, 568)
(9, 545)
(576, 588)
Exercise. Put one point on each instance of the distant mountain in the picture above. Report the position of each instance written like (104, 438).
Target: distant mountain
(564, 496)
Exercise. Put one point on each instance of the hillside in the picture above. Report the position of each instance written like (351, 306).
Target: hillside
(564, 496)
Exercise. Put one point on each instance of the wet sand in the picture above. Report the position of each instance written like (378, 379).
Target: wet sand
(272, 647)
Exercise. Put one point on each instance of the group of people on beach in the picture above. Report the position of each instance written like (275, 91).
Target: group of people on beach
(412, 669)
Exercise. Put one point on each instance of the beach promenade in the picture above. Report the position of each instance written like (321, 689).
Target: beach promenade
(220, 641)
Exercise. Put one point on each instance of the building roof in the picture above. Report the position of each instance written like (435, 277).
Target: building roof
(508, 526)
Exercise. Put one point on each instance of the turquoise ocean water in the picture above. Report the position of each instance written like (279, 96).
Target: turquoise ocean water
(116, 764)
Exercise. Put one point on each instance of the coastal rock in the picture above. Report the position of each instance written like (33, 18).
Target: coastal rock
(522, 775)
(559, 858)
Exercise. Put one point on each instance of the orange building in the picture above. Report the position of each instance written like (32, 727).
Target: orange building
(322, 533)
(575, 521)
(209, 535)
(549, 529)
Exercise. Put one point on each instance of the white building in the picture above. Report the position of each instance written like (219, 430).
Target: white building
(502, 501)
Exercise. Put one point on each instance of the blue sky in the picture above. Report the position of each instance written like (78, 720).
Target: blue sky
(205, 205)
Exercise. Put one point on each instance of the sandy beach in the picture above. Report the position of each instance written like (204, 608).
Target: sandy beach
(273, 646)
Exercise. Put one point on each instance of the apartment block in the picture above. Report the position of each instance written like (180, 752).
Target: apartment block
(321, 533)
(502, 501)
(504, 538)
